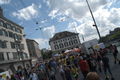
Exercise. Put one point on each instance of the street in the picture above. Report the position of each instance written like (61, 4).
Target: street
(115, 68)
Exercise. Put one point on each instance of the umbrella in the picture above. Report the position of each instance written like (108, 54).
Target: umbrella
(77, 50)
(67, 51)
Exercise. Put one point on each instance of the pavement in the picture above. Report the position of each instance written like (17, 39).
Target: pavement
(115, 69)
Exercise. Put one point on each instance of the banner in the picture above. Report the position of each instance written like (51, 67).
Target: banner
(5, 74)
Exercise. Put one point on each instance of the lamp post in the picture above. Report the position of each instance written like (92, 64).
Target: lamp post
(93, 19)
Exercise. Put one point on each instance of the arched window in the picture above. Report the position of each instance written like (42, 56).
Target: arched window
(75, 41)
(56, 47)
(61, 45)
(66, 44)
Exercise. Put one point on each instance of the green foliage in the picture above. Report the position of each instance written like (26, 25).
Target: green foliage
(111, 37)
(47, 54)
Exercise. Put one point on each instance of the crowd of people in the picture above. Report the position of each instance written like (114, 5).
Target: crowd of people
(71, 67)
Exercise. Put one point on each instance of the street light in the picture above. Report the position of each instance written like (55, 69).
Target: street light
(93, 19)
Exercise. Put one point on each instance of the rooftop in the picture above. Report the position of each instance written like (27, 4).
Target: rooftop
(63, 34)
(32, 41)
(4, 18)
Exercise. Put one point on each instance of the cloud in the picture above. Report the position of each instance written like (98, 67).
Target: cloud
(27, 13)
(40, 6)
(72, 26)
(74, 8)
(49, 31)
(5, 1)
(53, 13)
(61, 19)
(106, 19)
(43, 43)
(43, 21)
(115, 16)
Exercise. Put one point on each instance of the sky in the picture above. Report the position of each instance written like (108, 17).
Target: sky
(41, 19)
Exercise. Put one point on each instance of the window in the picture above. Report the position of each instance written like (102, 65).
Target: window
(70, 43)
(15, 36)
(1, 32)
(66, 44)
(20, 37)
(14, 28)
(8, 58)
(61, 45)
(3, 44)
(4, 25)
(26, 56)
(12, 45)
(56, 47)
(1, 56)
(8, 26)
(5, 32)
(75, 41)
(22, 46)
(19, 31)
(11, 34)
(0, 44)
(15, 55)
(1, 23)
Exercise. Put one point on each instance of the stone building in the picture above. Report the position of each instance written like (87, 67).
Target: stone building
(64, 40)
(34, 50)
(13, 48)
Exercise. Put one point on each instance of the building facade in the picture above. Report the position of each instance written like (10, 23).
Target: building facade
(13, 47)
(64, 40)
(34, 50)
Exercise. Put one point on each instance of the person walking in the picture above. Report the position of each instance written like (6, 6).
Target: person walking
(106, 66)
(68, 73)
(7, 78)
(52, 74)
(115, 54)
(84, 67)
(33, 76)
(62, 72)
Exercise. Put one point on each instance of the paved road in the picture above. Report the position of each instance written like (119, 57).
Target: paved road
(115, 68)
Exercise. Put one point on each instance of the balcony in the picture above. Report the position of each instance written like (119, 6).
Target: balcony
(13, 61)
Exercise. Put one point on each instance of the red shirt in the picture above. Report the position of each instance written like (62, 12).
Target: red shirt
(84, 65)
